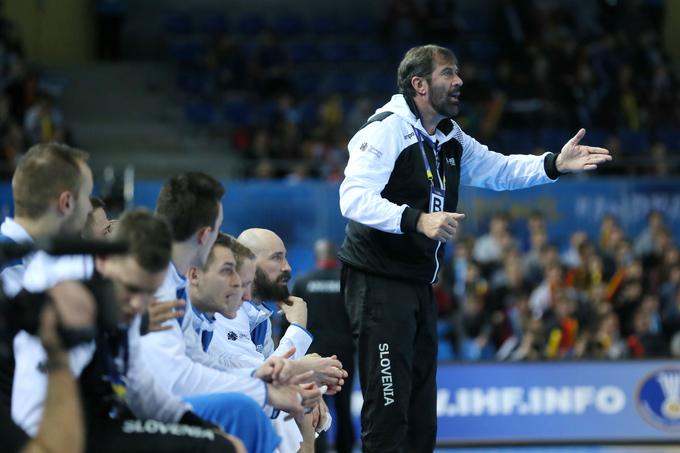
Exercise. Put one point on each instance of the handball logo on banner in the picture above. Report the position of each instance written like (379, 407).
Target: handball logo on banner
(658, 399)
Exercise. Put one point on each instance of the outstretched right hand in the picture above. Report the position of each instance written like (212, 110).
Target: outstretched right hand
(439, 226)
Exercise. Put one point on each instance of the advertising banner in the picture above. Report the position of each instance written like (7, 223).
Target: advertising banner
(559, 402)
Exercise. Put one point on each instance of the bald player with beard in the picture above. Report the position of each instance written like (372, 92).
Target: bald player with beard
(271, 294)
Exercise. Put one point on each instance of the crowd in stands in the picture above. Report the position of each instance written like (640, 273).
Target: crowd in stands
(29, 113)
(606, 297)
(290, 90)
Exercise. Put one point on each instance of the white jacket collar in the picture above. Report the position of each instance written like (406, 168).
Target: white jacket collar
(398, 106)
(14, 231)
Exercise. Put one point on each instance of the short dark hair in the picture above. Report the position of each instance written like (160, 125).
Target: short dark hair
(189, 201)
(148, 237)
(241, 253)
(97, 203)
(44, 172)
(223, 240)
(419, 62)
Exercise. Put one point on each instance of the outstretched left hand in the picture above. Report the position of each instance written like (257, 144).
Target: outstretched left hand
(575, 157)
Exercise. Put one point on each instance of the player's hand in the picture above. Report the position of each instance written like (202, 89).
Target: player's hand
(296, 399)
(159, 312)
(278, 370)
(439, 226)
(319, 414)
(295, 310)
(328, 371)
(575, 157)
(71, 306)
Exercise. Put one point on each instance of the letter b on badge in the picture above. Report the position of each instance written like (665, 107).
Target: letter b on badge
(436, 200)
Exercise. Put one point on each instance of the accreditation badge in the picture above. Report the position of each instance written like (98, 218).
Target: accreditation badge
(436, 199)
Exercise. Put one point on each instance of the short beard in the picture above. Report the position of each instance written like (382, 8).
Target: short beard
(265, 289)
(442, 108)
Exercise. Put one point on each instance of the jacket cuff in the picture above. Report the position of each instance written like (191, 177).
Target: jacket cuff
(409, 220)
(550, 166)
(301, 339)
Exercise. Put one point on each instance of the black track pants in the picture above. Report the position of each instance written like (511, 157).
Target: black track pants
(394, 324)
(136, 436)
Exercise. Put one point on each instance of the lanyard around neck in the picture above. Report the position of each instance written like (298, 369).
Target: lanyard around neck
(428, 169)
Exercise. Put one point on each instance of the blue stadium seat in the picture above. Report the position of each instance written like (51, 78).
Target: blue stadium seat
(194, 82)
(325, 25)
(481, 50)
(335, 52)
(306, 83)
(177, 24)
(213, 23)
(250, 24)
(477, 24)
(596, 137)
(237, 112)
(470, 350)
(200, 113)
(343, 83)
(445, 351)
(511, 141)
(301, 259)
(308, 112)
(443, 328)
(670, 138)
(363, 25)
(379, 83)
(398, 50)
(289, 25)
(371, 53)
(348, 105)
(633, 141)
(191, 52)
(554, 139)
(302, 52)
(265, 111)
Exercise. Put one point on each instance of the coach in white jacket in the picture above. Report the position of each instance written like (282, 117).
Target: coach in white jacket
(400, 194)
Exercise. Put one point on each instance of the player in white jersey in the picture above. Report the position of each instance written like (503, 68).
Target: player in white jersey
(50, 190)
(191, 203)
(51, 187)
(216, 292)
(120, 394)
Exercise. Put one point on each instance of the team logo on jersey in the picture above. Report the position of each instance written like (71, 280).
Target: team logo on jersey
(365, 147)
(232, 336)
(658, 399)
(451, 161)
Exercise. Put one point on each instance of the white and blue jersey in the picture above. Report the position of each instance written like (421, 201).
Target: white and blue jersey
(246, 341)
(259, 317)
(12, 274)
(173, 355)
